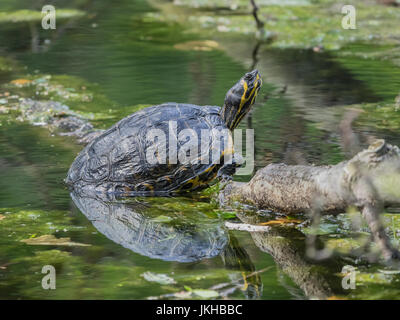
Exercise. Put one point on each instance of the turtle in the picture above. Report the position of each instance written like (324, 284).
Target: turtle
(155, 151)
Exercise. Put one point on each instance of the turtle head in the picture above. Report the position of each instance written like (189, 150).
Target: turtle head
(240, 98)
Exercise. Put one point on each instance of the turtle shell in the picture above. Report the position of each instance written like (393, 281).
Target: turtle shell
(117, 160)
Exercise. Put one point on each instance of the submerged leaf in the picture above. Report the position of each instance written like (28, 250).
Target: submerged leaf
(158, 277)
(182, 295)
(51, 240)
(200, 45)
(281, 221)
(336, 298)
(389, 271)
(162, 218)
(21, 82)
(203, 293)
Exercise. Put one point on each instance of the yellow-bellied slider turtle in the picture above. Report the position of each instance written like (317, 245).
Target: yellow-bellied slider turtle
(117, 161)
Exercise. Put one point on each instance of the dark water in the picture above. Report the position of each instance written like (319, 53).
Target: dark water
(133, 61)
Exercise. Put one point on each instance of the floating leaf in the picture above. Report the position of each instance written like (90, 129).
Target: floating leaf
(389, 271)
(335, 298)
(365, 278)
(2, 216)
(344, 245)
(206, 294)
(281, 221)
(158, 277)
(51, 240)
(162, 219)
(227, 215)
(204, 45)
(21, 82)
(182, 295)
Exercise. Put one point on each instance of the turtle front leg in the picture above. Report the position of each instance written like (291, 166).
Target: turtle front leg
(227, 171)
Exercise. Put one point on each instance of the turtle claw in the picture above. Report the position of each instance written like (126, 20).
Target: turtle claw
(224, 179)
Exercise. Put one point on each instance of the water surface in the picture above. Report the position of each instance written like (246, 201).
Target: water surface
(133, 61)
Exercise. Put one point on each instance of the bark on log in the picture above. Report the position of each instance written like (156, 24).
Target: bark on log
(368, 181)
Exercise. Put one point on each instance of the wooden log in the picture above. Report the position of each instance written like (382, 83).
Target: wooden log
(368, 181)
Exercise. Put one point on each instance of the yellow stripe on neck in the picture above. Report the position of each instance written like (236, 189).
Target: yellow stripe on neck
(243, 100)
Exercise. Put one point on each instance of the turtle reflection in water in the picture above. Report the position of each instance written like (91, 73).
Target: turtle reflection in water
(132, 225)
(117, 161)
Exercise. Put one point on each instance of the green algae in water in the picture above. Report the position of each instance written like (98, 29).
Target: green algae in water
(380, 115)
(78, 96)
(77, 276)
(294, 24)
(7, 64)
(77, 93)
